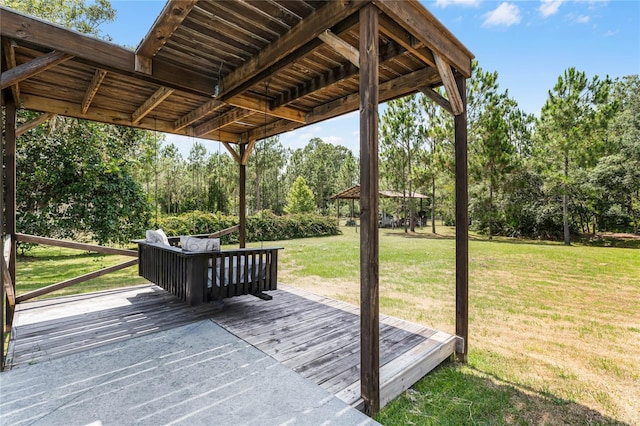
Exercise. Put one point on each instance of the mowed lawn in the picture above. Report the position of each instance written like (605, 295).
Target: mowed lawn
(554, 330)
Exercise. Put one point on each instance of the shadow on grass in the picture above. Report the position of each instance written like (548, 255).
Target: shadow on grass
(613, 241)
(625, 241)
(420, 235)
(454, 394)
(59, 256)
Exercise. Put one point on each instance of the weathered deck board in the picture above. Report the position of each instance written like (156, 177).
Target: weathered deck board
(313, 335)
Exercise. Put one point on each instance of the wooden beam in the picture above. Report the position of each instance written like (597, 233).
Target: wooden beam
(111, 117)
(99, 54)
(219, 122)
(437, 98)
(63, 284)
(96, 81)
(369, 244)
(462, 225)
(34, 239)
(394, 31)
(247, 152)
(420, 23)
(261, 106)
(327, 79)
(33, 67)
(333, 76)
(10, 57)
(233, 152)
(449, 82)
(172, 15)
(34, 123)
(304, 32)
(224, 232)
(341, 46)
(203, 110)
(149, 105)
(8, 284)
(388, 90)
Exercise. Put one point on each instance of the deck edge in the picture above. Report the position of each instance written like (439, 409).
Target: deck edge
(404, 371)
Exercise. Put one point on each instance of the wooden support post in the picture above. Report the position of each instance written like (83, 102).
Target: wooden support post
(3, 307)
(242, 208)
(369, 275)
(462, 225)
(10, 173)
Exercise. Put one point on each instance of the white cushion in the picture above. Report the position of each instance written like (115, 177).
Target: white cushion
(157, 237)
(200, 244)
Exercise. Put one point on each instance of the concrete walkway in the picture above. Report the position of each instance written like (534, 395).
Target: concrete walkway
(197, 374)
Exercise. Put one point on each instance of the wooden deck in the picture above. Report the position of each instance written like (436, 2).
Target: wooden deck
(313, 335)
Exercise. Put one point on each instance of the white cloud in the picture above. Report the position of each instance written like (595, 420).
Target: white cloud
(549, 7)
(506, 14)
(582, 19)
(611, 33)
(334, 140)
(467, 3)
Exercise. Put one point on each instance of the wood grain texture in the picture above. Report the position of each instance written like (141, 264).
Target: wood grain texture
(113, 117)
(437, 98)
(202, 111)
(265, 57)
(425, 27)
(341, 46)
(171, 16)
(395, 31)
(311, 334)
(153, 101)
(450, 86)
(32, 124)
(462, 225)
(24, 71)
(327, 16)
(369, 245)
(72, 281)
(26, 238)
(10, 166)
(8, 50)
(92, 89)
(222, 121)
(242, 203)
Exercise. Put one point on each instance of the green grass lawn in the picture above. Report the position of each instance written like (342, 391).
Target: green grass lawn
(554, 330)
(43, 266)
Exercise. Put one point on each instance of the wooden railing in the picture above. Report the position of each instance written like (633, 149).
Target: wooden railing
(235, 228)
(25, 238)
(8, 287)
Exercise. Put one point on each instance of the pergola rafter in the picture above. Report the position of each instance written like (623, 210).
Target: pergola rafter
(240, 71)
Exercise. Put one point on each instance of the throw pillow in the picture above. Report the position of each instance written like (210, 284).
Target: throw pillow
(157, 237)
(200, 244)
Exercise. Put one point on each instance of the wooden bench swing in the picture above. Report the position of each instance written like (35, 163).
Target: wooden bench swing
(202, 276)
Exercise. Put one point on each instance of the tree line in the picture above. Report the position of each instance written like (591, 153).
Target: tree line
(573, 169)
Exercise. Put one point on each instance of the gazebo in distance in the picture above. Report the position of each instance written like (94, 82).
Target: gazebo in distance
(237, 72)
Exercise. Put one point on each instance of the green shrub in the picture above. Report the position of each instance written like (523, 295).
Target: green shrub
(263, 226)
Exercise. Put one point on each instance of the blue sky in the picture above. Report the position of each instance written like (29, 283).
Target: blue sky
(529, 43)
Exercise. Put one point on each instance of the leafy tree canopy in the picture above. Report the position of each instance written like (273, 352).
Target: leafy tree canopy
(300, 198)
(79, 15)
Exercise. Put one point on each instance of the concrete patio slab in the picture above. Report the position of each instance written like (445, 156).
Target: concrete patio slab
(196, 374)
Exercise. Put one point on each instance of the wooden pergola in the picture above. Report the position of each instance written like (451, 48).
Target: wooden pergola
(239, 71)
